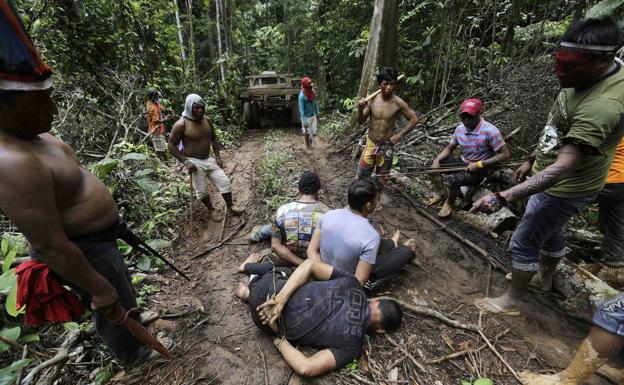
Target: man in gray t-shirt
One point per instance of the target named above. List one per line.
(345, 239)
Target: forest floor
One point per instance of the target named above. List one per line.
(216, 341)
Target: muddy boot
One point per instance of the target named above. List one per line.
(543, 280)
(236, 210)
(212, 212)
(585, 363)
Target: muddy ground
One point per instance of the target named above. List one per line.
(217, 343)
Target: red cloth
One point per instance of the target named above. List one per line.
(308, 90)
(43, 295)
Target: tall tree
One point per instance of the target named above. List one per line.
(179, 28)
(220, 46)
(381, 48)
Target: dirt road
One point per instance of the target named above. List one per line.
(216, 341)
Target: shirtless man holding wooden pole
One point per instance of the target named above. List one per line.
(383, 111)
(197, 133)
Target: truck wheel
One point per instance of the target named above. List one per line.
(254, 116)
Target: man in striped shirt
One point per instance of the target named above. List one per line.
(482, 147)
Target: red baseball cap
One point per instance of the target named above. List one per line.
(472, 107)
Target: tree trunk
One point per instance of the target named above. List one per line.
(189, 11)
(288, 34)
(507, 44)
(219, 44)
(381, 33)
(180, 38)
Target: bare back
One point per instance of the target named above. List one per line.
(384, 114)
(44, 169)
(196, 135)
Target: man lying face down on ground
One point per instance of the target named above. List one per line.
(330, 312)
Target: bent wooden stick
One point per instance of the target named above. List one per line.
(371, 96)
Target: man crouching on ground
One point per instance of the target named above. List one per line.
(330, 312)
(197, 134)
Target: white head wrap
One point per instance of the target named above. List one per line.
(191, 99)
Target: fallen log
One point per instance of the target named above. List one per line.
(583, 291)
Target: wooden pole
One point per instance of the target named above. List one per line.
(371, 96)
(191, 224)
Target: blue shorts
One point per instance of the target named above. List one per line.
(610, 315)
(541, 229)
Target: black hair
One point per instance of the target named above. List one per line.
(391, 315)
(152, 94)
(361, 192)
(309, 183)
(388, 74)
(594, 31)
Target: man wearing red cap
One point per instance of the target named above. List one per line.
(482, 147)
(308, 112)
(67, 215)
(570, 164)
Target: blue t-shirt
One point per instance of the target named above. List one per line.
(347, 238)
(307, 108)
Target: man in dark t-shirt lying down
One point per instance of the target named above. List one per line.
(330, 312)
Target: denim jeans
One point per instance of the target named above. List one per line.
(611, 223)
(610, 315)
(541, 229)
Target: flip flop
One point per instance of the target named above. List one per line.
(485, 305)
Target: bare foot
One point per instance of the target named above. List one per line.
(446, 210)
(253, 258)
(541, 379)
(242, 291)
(436, 199)
(395, 238)
(502, 305)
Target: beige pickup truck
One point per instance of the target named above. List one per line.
(270, 96)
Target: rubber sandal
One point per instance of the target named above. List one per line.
(483, 304)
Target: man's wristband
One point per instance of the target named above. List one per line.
(480, 164)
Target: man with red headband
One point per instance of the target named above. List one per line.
(68, 215)
(308, 111)
(571, 161)
(482, 147)
(383, 111)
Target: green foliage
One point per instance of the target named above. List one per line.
(352, 366)
(614, 8)
(9, 374)
(275, 163)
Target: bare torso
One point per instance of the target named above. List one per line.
(83, 202)
(384, 114)
(197, 137)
